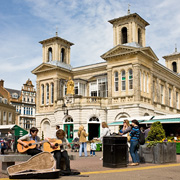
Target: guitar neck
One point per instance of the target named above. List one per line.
(39, 142)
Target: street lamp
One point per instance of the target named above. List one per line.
(64, 107)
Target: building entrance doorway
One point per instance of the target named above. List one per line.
(68, 128)
(94, 130)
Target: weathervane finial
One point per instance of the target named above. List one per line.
(175, 47)
(56, 31)
(129, 9)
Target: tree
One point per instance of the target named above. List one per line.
(157, 132)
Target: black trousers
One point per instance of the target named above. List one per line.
(33, 152)
(2, 150)
(58, 155)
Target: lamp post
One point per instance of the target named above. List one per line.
(64, 107)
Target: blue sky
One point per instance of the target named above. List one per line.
(23, 23)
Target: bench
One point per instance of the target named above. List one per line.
(9, 160)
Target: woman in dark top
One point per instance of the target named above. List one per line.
(134, 142)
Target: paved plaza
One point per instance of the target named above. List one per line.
(92, 168)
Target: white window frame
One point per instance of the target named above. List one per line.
(116, 81)
(42, 94)
(52, 93)
(130, 81)
(10, 117)
(123, 80)
(47, 94)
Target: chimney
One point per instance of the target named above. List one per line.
(2, 83)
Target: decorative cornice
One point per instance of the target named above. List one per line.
(55, 39)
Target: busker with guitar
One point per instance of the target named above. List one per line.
(61, 152)
(30, 137)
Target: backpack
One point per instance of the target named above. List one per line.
(141, 138)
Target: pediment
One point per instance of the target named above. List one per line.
(43, 67)
(118, 50)
(149, 52)
(123, 50)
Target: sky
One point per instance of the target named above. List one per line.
(23, 23)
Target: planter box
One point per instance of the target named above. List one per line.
(159, 154)
(178, 148)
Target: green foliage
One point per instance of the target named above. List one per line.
(157, 132)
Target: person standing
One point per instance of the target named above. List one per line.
(93, 148)
(82, 139)
(29, 137)
(147, 131)
(57, 128)
(125, 132)
(134, 143)
(105, 132)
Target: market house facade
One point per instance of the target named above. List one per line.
(129, 83)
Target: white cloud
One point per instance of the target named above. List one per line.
(85, 23)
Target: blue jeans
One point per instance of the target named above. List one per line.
(85, 149)
(133, 151)
(92, 152)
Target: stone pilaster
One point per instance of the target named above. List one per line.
(38, 96)
(109, 76)
(60, 89)
(151, 87)
(166, 94)
(136, 82)
(56, 89)
(158, 90)
(174, 97)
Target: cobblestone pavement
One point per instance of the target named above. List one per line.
(93, 167)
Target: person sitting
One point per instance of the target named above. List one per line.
(58, 154)
(29, 137)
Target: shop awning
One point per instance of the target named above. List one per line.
(168, 120)
(117, 123)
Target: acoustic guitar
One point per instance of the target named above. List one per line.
(48, 148)
(31, 145)
(58, 143)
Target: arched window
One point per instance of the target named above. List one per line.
(130, 79)
(47, 94)
(94, 119)
(123, 80)
(69, 119)
(146, 114)
(116, 81)
(50, 54)
(174, 66)
(124, 35)
(42, 94)
(62, 55)
(139, 36)
(52, 93)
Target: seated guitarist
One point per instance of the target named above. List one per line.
(29, 137)
(58, 154)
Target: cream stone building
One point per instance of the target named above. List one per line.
(130, 82)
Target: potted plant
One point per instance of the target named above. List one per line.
(157, 148)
